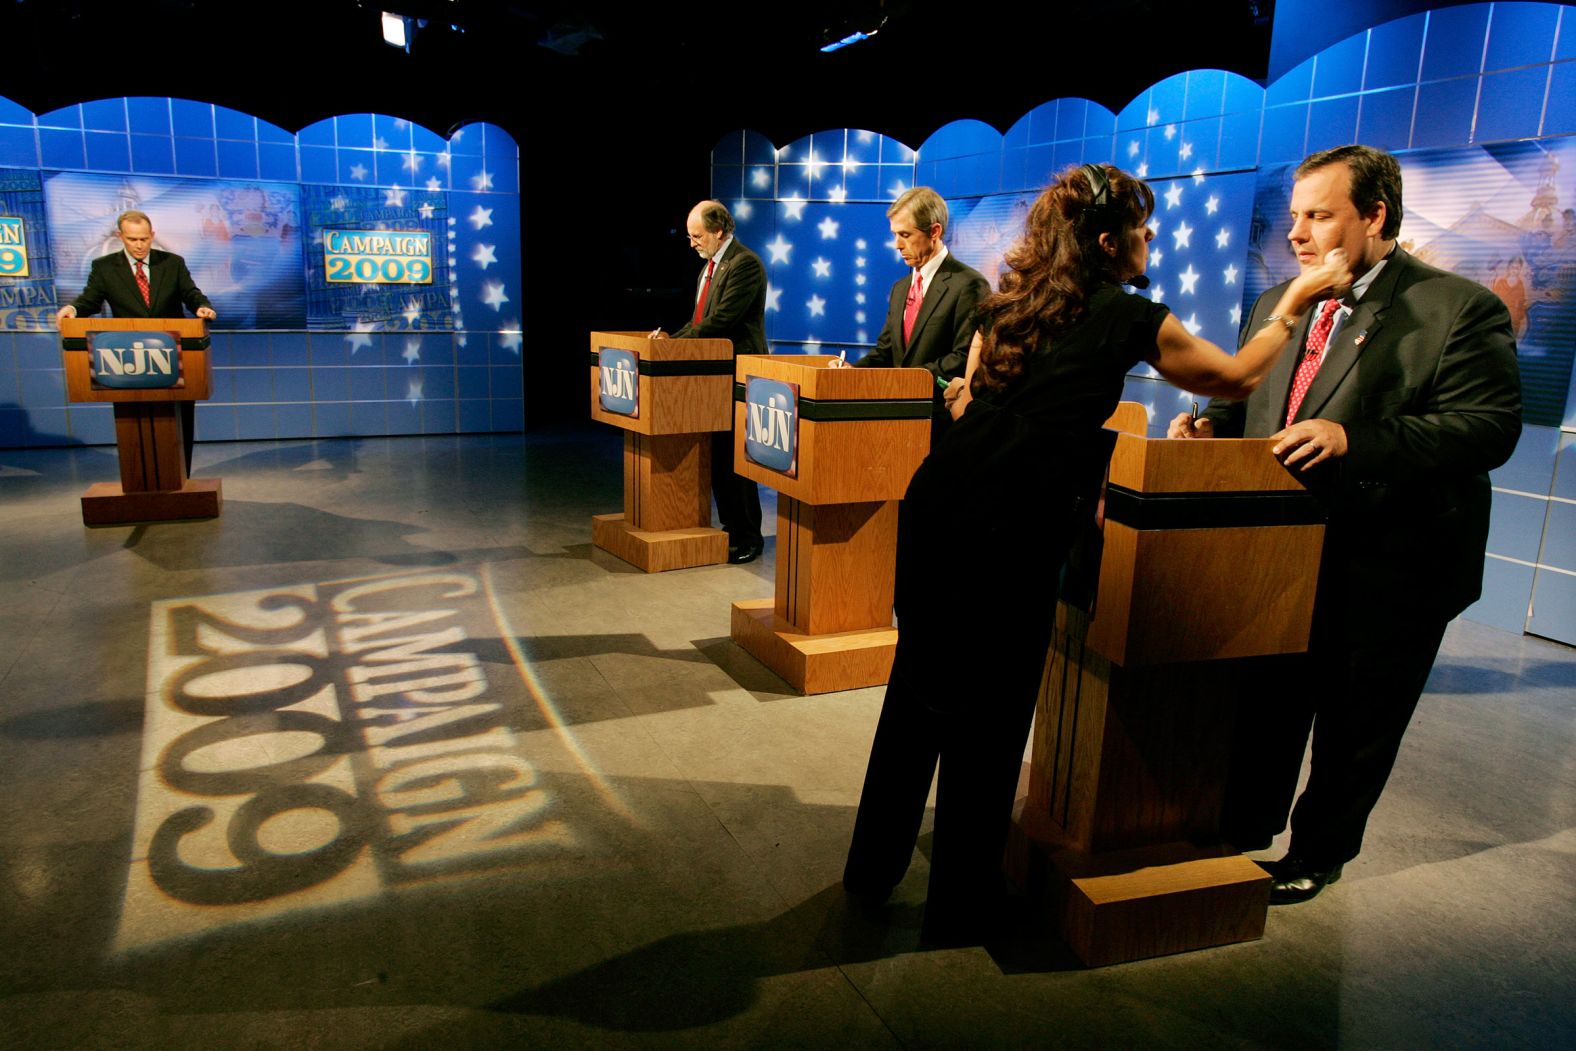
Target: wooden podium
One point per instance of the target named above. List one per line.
(1211, 554)
(860, 436)
(682, 392)
(149, 434)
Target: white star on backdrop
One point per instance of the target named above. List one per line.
(360, 336)
(859, 297)
(1230, 274)
(482, 181)
(394, 197)
(412, 163)
(813, 166)
(1198, 175)
(837, 195)
(1171, 132)
(1223, 238)
(822, 267)
(817, 306)
(433, 183)
(828, 228)
(1154, 117)
(358, 172)
(426, 209)
(774, 298)
(1185, 152)
(1212, 205)
(413, 388)
(412, 349)
(793, 208)
(859, 317)
(1157, 292)
(1155, 255)
(380, 143)
(850, 164)
(743, 209)
(1173, 196)
(481, 217)
(412, 311)
(484, 256)
(493, 296)
(445, 160)
(509, 335)
(1192, 325)
(1143, 170)
(859, 279)
(1132, 148)
(1189, 278)
(339, 203)
(760, 178)
(1181, 235)
(779, 249)
(1236, 314)
(898, 189)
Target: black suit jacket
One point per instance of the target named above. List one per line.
(170, 286)
(736, 304)
(1423, 377)
(943, 328)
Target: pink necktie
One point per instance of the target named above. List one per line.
(916, 293)
(142, 285)
(1318, 338)
(700, 304)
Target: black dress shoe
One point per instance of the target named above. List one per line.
(869, 895)
(744, 553)
(1293, 880)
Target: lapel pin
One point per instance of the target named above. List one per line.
(1360, 337)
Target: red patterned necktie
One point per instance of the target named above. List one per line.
(1318, 339)
(142, 285)
(700, 304)
(916, 294)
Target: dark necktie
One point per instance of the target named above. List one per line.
(916, 295)
(700, 304)
(142, 285)
(1318, 339)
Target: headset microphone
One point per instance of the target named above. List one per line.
(1138, 281)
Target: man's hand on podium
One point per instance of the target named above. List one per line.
(656, 333)
(1186, 425)
(64, 312)
(206, 313)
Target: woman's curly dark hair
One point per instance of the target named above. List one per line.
(1055, 268)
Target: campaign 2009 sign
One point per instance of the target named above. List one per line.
(620, 381)
(378, 257)
(134, 359)
(771, 424)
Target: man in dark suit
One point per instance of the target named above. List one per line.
(930, 319)
(1405, 395)
(730, 303)
(141, 281)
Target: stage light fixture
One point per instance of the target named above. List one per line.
(396, 30)
(857, 36)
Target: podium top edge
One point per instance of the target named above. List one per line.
(1171, 465)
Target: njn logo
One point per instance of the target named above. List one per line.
(771, 423)
(135, 359)
(620, 381)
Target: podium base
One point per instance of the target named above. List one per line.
(842, 660)
(658, 552)
(1126, 905)
(106, 503)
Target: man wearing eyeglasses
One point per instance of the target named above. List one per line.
(730, 303)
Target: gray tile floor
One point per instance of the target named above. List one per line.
(389, 756)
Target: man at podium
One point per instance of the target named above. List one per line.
(730, 303)
(1404, 396)
(930, 317)
(142, 281)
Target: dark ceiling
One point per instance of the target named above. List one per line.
(691, 70)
